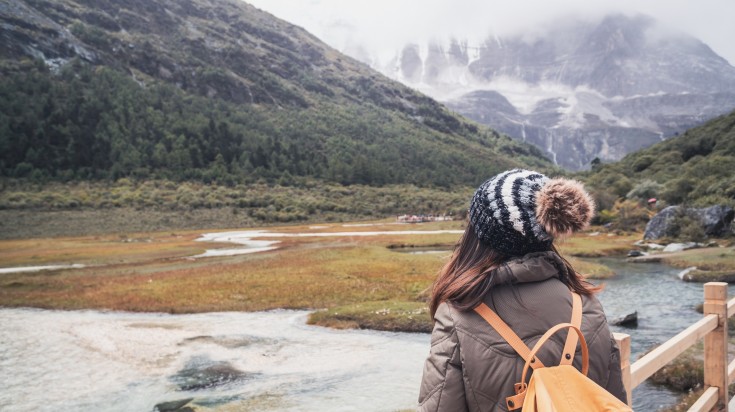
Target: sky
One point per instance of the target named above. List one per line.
(384, 26)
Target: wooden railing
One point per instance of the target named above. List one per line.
(713, 328)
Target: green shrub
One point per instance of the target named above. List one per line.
(604, 217)
(629, 215)
(676, 191)
(686, 228)
(645, 190)
(643, 162)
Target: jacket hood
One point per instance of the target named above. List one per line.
(533, 267)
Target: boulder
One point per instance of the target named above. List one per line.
(197, 376)
(630, 320)
(715, 221)
(174, 406)
(660, 225)
(635, 253)
(678, 247)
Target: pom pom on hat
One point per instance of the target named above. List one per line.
(564, 207)
(522, 211)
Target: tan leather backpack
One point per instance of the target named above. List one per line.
(560, 388)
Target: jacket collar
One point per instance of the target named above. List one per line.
(533, 267)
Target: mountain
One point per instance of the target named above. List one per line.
(580, 90)
(216, 90)
(694, 168)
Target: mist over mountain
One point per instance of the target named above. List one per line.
(578, 89)
(216, 90)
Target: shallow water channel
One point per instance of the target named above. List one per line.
(95, 361)
(114, 361)
(666, 306)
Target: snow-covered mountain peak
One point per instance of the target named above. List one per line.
(578, 88)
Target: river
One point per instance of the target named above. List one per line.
(666, 306)
(111, 361)
(116, 361)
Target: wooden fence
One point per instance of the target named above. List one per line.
(718, 373)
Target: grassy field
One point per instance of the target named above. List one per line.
(713, 264)
(356, 281)
(715, 258)
(53, 209)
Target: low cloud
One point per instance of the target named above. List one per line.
(383, 26)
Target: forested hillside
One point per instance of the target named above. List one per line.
(695, 168)
(216, 91)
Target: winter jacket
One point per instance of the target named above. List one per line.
(471, 367)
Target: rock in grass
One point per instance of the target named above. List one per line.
(714, 221)
(659, 225)
(629, 320)
(635, 253)
(678, 247)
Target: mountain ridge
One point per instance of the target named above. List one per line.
(694, 168)
(225, 92)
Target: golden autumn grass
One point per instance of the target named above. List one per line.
(596, 244)
(360, 281)
(714, 264)
(592, 244)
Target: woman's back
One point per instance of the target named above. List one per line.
(489, 366)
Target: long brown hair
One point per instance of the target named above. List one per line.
(466, 278)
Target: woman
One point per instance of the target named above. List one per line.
(506, 259)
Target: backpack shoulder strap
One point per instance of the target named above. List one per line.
(570, 346)
(507, 333)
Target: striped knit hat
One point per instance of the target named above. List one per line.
(521, 211)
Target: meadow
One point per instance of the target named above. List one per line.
(352, 281)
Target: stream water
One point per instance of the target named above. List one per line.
(96, 361)
(114, 361)
(665, 305)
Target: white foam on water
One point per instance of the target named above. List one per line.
(119, 361)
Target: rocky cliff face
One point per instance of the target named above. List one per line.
(223, 49)
(580, 90)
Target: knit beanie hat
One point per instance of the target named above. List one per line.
(521, 211)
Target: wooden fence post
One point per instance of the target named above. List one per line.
(715, 342)
(623, 341)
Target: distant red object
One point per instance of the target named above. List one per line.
(652, 200)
